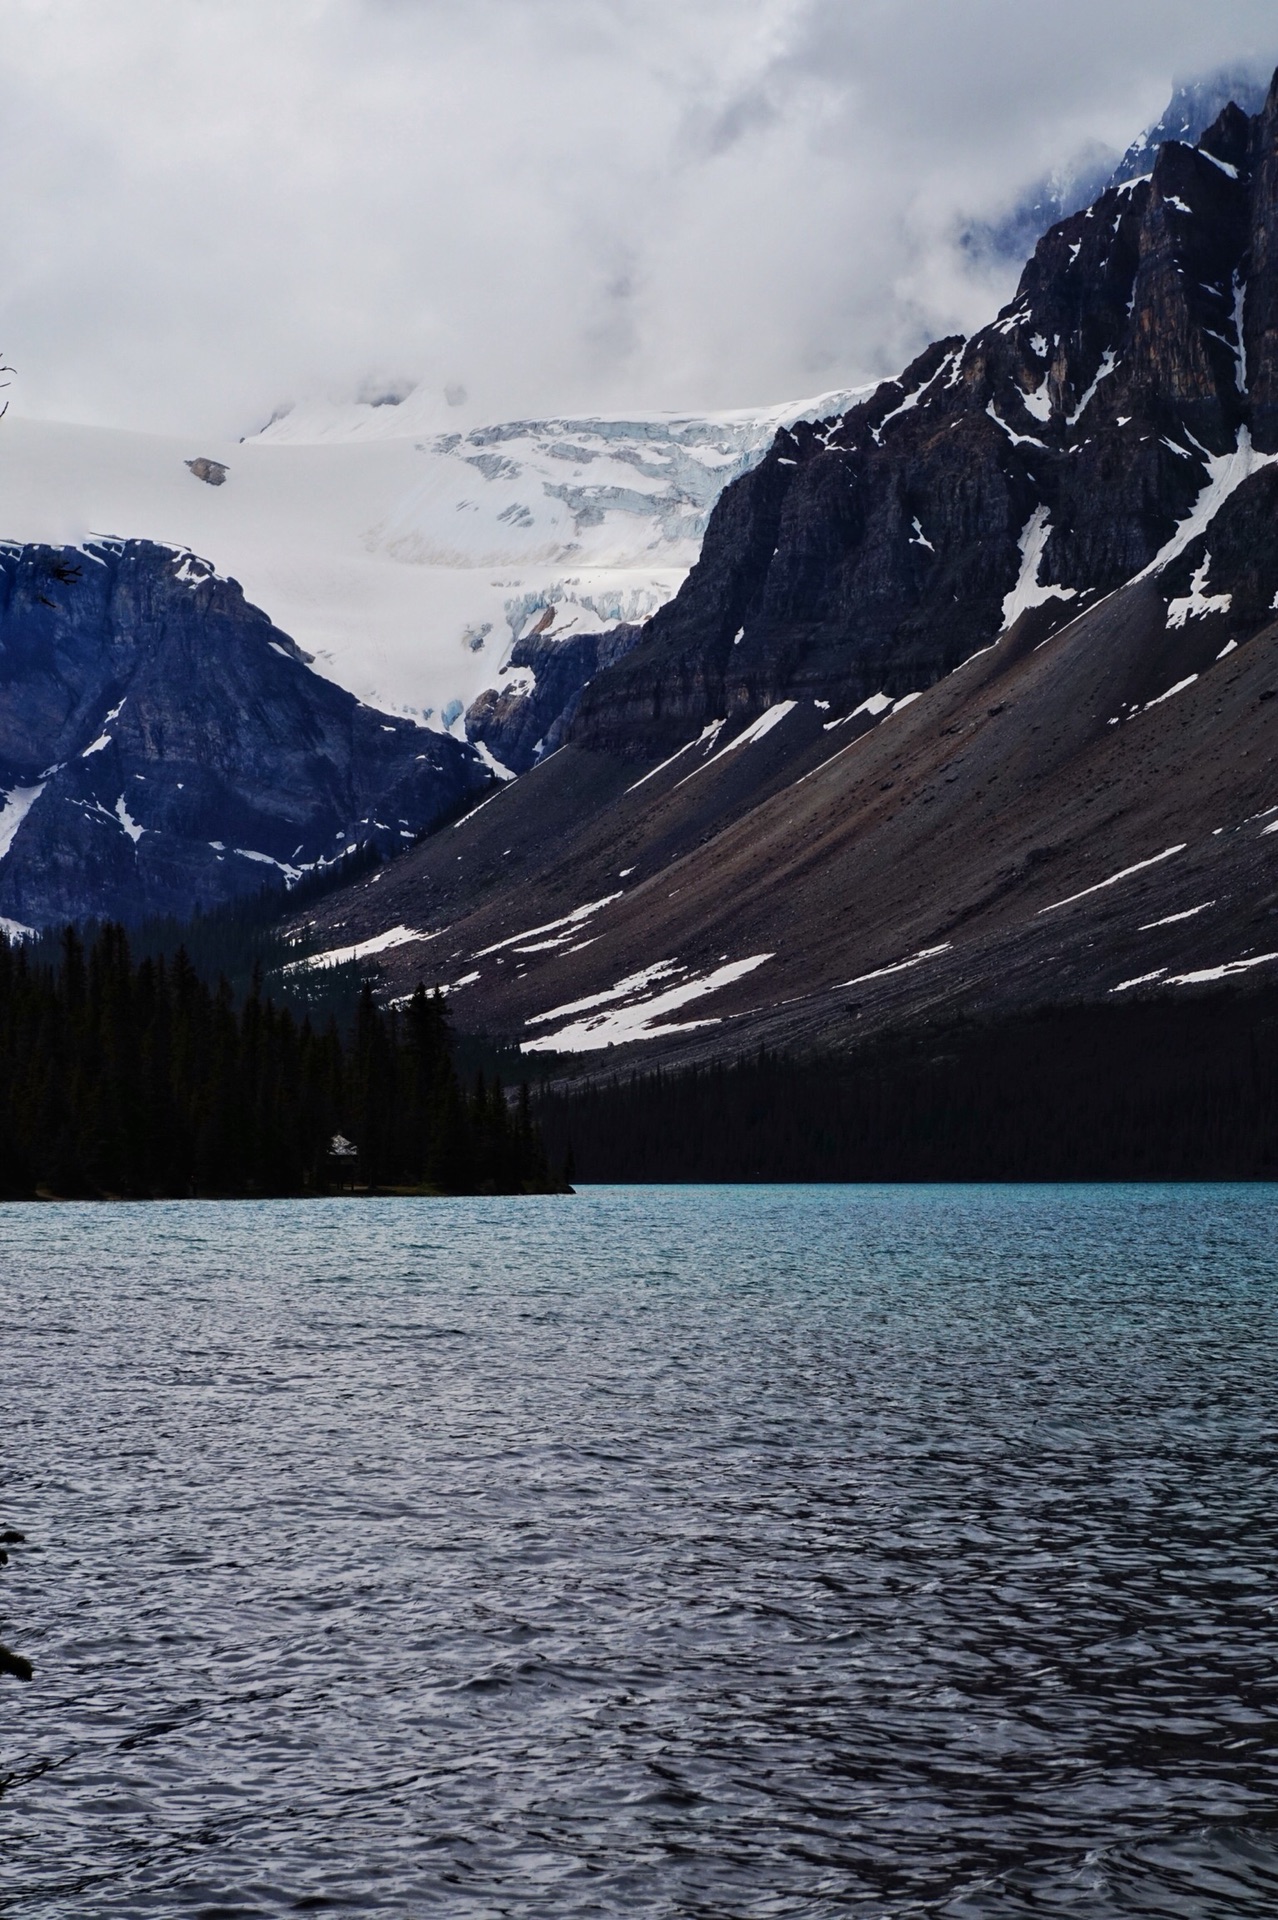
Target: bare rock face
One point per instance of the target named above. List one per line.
(163, 746)
(1037, 466)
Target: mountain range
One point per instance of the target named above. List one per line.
(966, 705)
(962, 702)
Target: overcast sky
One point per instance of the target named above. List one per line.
(214, 206)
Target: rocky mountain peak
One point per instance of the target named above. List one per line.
(163, 746)
(1062, 450)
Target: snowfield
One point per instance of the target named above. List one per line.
(405, 548)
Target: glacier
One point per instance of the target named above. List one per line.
(404, 551)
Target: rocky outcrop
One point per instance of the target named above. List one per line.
(164, 747)
(1195, 105)
(212, 472)
(13, 1664)
(1030, 470)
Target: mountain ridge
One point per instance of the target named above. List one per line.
(966, 706)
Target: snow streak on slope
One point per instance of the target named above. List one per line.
(644, 1016)
(405, 559)
(1226, 472)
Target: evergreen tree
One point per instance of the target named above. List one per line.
(128, 1078)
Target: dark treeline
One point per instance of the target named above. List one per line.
(243, 939)
(1148, 1091)
(136, 1078)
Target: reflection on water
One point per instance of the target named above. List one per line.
(677, 1553)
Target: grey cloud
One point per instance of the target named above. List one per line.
(555, 203)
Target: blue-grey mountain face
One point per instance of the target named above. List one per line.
(163, 746)
(1194, 106)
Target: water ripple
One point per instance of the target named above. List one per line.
(757, 1553)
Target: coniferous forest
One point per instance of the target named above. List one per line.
(147, 1077)
(1150, 1090)
(138, 1079)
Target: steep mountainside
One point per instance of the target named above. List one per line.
(1079, 439)
(968, 704)
(163, 746)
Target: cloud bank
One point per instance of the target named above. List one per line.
(215, 206)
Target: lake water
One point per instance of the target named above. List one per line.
(697, 1552)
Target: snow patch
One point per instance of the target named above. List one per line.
(18, 803)
(467, 980)
(754, 732)
(1229, 971)
(1140, 980)
(129, 825)
(569, 920)
(1198, 603)
(1027, 592)
(900, 966)
(360, 950)
(1174, 919)
(1039, 403)
(1240, 338)
(1107, 366)
(1017, 439)
(643, 1017)
(707, 734)
(911, 400)
(103, 740)
(1114, 878)
(490, 760)
(291, 874)
(468, 817)
(1171, 692)
(628, 989)
(1226, 472)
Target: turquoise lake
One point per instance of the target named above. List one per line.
(671, 1552)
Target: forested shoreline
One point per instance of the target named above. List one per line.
(1150, 1090)
(133, 1079)
(142, 1078)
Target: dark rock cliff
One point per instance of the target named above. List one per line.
(527, 718)
(1128, 389)
(163, 746)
